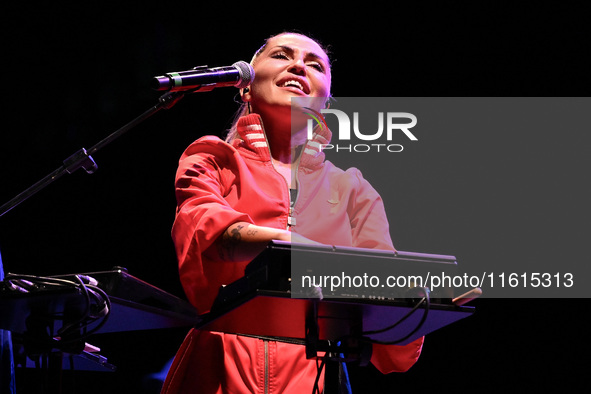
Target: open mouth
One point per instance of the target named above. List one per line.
(294, 84)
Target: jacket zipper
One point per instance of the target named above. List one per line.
(297, 188)
(290, 218)
(266, 342)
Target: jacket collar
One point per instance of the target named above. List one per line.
(252, 137)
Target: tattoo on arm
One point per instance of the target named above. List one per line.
(230, 239)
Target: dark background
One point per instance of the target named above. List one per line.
(72, 75)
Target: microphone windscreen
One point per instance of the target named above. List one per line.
(246, 74)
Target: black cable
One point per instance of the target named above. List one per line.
(401, 320)
(100, 298)
(425, 300)
(75, 331)
(39, 280)
(63, 332)
(316, 388)
(107, 309)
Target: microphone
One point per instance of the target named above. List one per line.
(203, 79)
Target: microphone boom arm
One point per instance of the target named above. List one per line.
(83, 158)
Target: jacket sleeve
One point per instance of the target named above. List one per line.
(394, 358)
(370, 228)
(202, 216)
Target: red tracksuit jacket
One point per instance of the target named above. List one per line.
(218, 184)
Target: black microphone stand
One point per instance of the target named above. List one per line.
(83, 159)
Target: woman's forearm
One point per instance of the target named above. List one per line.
(243, 241)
